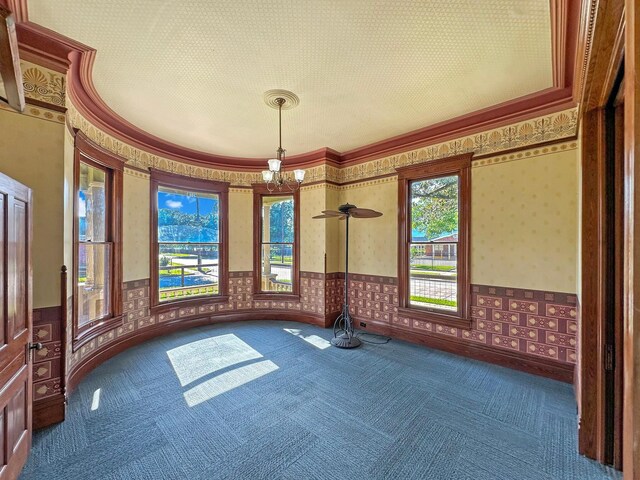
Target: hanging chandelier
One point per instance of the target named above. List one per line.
(275, 177)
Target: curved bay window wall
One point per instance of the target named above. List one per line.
(188, 244)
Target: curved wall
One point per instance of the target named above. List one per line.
(524, 214)
(523, 246)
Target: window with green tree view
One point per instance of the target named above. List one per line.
(188, 243)
(434, 243)
(433, 270)
(277, 243)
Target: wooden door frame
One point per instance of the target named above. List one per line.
(608, 42)
(631, 398)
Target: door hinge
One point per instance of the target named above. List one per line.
(608, 359)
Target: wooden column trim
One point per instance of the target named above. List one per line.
(631, 407)
(591, 395)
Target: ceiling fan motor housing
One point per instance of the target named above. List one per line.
(346, 207)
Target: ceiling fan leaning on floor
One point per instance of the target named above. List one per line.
(343, 323)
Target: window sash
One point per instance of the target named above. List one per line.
(214, 290)
(457, 166)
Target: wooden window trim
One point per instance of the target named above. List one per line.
(457, 165)
(165, 179)
(92, 154)
(259, 191)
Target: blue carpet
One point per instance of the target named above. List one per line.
(271, 400)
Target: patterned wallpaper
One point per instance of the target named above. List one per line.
(530, 322)
(524, 222)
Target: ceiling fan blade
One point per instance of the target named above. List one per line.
(364, 213)
(324, 216)
(332, 213)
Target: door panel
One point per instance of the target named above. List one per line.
(18, 267)
(3, 249)
(15, 327)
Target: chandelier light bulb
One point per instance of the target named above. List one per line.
(267, 175)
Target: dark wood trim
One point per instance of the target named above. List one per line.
(97, 357)
(598, 74)
(459, 165)
(64, 314)
(282, 297)
(165, 179)
(48, 106)
(186, 303)
(505, 358)
(86, 151)
(616, 334)
(259, 192)
(593, 301)
(631, 277)
(48, 411)
(10, 64)
(18, 8)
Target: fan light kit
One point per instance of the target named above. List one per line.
(275, 177)
(343, 323)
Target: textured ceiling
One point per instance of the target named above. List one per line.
(193, 72)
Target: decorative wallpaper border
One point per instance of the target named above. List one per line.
(43, 85)
(547, 128)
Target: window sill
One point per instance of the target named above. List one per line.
(86, 333)
(436, 317)
(192, 302)
(283, 297)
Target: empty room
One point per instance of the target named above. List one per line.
(358, 239)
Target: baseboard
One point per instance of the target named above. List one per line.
(78, 371)
(48, 411)
(505, 358)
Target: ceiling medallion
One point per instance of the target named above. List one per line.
(275, 177)
(271, 97)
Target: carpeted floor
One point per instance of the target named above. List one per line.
(271, 400)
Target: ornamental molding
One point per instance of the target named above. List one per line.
(540, 130)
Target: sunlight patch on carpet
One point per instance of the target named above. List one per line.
(228, 381)
(201, 358)
(314, 340)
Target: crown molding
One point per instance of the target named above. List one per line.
(57, 52)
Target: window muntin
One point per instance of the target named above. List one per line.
(188, 237)
(95, 248)
(277, 243)
(433, 246)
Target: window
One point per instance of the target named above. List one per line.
(433, 268)
(189, 258)
(276, 239)
(97, 275)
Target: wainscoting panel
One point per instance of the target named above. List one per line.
(48, 395)
(510, 325)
